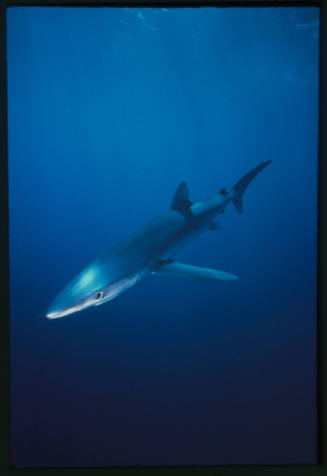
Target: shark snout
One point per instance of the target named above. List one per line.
(53, 314)
(82, 292)
(55, 311)
(62, 306)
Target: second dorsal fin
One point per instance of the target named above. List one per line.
(181, 202)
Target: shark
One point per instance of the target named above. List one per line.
(150, 250)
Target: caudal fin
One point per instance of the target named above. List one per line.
(242, 185)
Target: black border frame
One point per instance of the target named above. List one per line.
(246, 470)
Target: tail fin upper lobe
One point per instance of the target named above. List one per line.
(243, 183)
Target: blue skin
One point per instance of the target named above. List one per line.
(148, 250)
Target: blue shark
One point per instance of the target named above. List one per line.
(149, 250)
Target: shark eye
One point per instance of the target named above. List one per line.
(98, 295)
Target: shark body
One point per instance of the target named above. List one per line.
(149, 250)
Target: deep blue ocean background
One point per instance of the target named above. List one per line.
(109, 110)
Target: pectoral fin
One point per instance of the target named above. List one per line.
(170, 268)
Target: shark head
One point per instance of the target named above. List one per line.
(92, 287)
(86, 290)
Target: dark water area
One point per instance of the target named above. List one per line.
(109, 110)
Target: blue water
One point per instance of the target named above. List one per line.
(109, 110)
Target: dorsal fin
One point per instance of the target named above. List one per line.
(181, 201)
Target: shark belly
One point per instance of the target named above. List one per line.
(134, 257)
